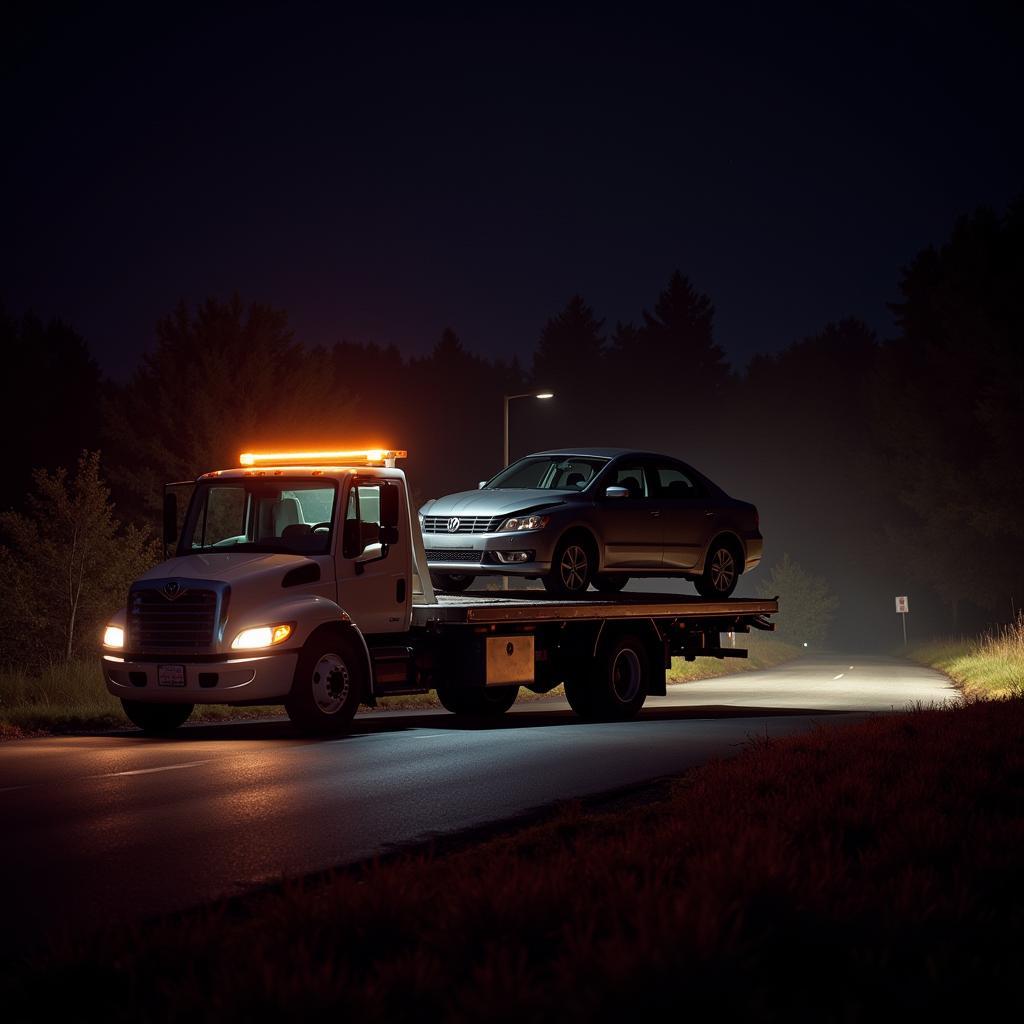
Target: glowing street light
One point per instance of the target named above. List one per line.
(509, 398)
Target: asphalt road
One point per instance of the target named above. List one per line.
(118, 827)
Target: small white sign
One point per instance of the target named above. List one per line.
(902, 605)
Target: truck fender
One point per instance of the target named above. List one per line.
(345, 624)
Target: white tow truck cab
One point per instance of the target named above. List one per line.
(300, 579)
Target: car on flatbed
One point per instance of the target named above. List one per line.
(301, 579)
(576, 517)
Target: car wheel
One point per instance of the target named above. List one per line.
(721, 573)
(610, 584)
(328, 684)
(156, 719)
(489, 702)
(450, 583)
(572, 568)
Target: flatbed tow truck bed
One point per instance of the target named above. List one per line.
(490, 608)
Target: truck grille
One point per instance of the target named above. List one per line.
(453, 555)
(466, 524)
(157, 621)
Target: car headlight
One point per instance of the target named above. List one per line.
(113, 636)
(523, 523)
(261, 636)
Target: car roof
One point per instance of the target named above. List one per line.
(603, 453)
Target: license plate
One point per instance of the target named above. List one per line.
(170, 675)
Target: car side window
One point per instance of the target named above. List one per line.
(672, 482)
(632, 477)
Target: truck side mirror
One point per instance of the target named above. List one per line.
(170, 518)
(388, 513)
(352, 545)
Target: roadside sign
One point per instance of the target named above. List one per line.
(902, 605)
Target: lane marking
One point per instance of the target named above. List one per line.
(851, 668)
(150, 771)
(840, 676)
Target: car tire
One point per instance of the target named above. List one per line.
(613, 687)
(721, 573)
(610, 584)
(328, 684)
(156, 719)
(572, 567)
(487, 702)
(451, 583)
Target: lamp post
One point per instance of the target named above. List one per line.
(509, 398)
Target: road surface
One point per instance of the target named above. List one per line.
(118, 827)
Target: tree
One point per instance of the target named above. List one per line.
(806, 604)
(568, 358)
(67, 563)
(221, 380)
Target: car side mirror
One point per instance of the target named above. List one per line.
(616, 492)
(352, 545)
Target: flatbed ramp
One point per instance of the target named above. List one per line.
(537, 606)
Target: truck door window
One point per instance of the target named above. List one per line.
(222, 518)
(364, 507)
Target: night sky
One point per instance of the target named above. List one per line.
(383, 178)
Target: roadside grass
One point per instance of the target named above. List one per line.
(850, 874)
(989, 666)
(72, 697)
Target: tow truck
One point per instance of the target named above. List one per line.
(300, 578)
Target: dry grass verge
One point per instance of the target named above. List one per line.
(853, 874)
(989, 666)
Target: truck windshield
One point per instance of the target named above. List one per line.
(260, 515)
(549, 473)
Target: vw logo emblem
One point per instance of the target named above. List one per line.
(453, 524)
(172, 590)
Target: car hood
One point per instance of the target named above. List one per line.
(494, 501)
(225, 567)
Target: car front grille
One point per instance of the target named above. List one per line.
(464, 524)
(185, 621)
(453, 555)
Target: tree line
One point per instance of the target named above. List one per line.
(887, 465)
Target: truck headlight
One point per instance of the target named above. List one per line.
(523, 523)
(261, 636)
(113, 636)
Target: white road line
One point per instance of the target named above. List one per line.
(150, 771)
(840, 676)
(851, 668)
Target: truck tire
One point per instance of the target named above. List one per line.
(614, 687)
(608, 584)
(485, 702)
(329, 680)
(721, 572)
(156, 719)
(451, 583)
(572, 567)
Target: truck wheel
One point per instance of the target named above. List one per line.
(721, 573)
(572, 568)
(450, 583)
(328, 684)
(610, 584)
(615, 687)
(156, 719)
(488, 702)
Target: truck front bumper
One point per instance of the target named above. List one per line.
(228, 680)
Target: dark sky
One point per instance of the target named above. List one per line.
(381, 178)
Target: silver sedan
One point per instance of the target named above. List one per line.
(581, 516)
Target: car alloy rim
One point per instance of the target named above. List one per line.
(723, 569)
(330, 683)
(573, 567)
(626, 675)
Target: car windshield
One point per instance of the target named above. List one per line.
(549, 473)
(256, 514)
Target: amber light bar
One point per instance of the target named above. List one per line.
(364, 457)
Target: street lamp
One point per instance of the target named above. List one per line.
(509, 398)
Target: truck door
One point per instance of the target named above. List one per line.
(686, 514)
(632, 525)
(373, 586)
